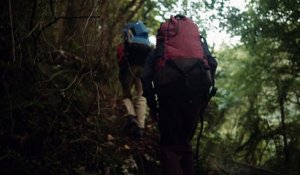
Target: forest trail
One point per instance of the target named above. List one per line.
(141, 157)
(138, 156)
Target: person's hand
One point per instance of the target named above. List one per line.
(152, 104)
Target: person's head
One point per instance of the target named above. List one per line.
(136, 32)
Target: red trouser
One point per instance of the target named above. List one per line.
(178, 118)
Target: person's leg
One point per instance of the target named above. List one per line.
(140, 104)
(170, 162)
(186, 161)
(171, 134)
(178, 120)
(129, 107)
(126, 78)
(192, 116)
(170, 122)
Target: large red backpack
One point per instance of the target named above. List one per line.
(182, 68)
(181, 39)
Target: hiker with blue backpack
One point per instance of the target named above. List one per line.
(178, 81)
(131, 53)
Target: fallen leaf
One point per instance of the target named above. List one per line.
(126, 146)
(110, 137)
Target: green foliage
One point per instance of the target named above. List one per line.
(59, 86)
(257, 85)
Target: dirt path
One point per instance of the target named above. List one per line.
(138, 156)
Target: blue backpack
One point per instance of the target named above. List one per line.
(136, 42)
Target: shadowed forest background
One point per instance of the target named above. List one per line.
(61, 110)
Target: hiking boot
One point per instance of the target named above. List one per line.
(138, 133)
(130, 123)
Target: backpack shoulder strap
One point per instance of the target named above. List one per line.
(120, 53)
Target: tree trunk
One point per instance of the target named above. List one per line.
(281, 100)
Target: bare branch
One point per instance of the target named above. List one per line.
(32, 14)
(12, 32)
(51, 8)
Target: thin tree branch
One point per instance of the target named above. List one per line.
(32, 15)
(281, 100)
(63, 17)
(12, 32)
(51, 8)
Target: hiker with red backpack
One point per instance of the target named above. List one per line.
(131, 54)
(177, 81)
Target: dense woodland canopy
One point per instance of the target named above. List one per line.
(60, 96)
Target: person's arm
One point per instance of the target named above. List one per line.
(148, 89)
(149, 73)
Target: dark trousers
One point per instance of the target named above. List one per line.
(178, 118)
